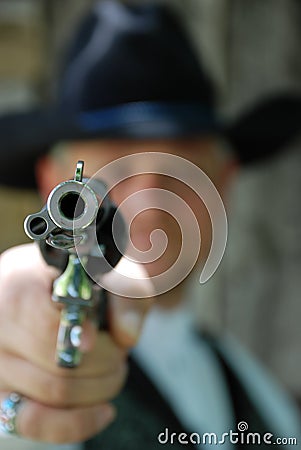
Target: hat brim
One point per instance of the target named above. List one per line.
(25, 137)
(265, 129)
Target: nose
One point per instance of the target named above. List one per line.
(146, 190)
(143, 192)
(149, 189)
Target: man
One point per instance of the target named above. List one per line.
(132, 84)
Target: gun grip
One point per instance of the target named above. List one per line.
(68, 353)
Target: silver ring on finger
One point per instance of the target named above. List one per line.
(8, 412)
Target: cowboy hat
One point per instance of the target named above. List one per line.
(131, 72)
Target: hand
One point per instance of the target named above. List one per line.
(62, 405)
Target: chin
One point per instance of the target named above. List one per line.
(174, 277)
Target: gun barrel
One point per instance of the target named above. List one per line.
(76, 220)
(71, 206)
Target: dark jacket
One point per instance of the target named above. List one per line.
(142, 413)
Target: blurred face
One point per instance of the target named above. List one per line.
(156, 207)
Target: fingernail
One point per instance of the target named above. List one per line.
(131, 323)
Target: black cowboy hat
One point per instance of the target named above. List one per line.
(131, 72)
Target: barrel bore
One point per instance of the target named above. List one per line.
(38, 226)
(71, 205)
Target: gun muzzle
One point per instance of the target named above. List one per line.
(71, 206)
(77, 211)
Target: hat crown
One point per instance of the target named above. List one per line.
(130, 73)
(129, 53)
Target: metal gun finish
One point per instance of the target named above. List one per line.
(74, 231)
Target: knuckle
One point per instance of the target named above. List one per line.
(37, 424)
(115, 382)
(30, 425)
(80, 428)
(58, 391)
(116, 365)
(77, 427)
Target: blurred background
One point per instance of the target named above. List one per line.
(251, 49)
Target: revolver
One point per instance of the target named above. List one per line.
(75, 234)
